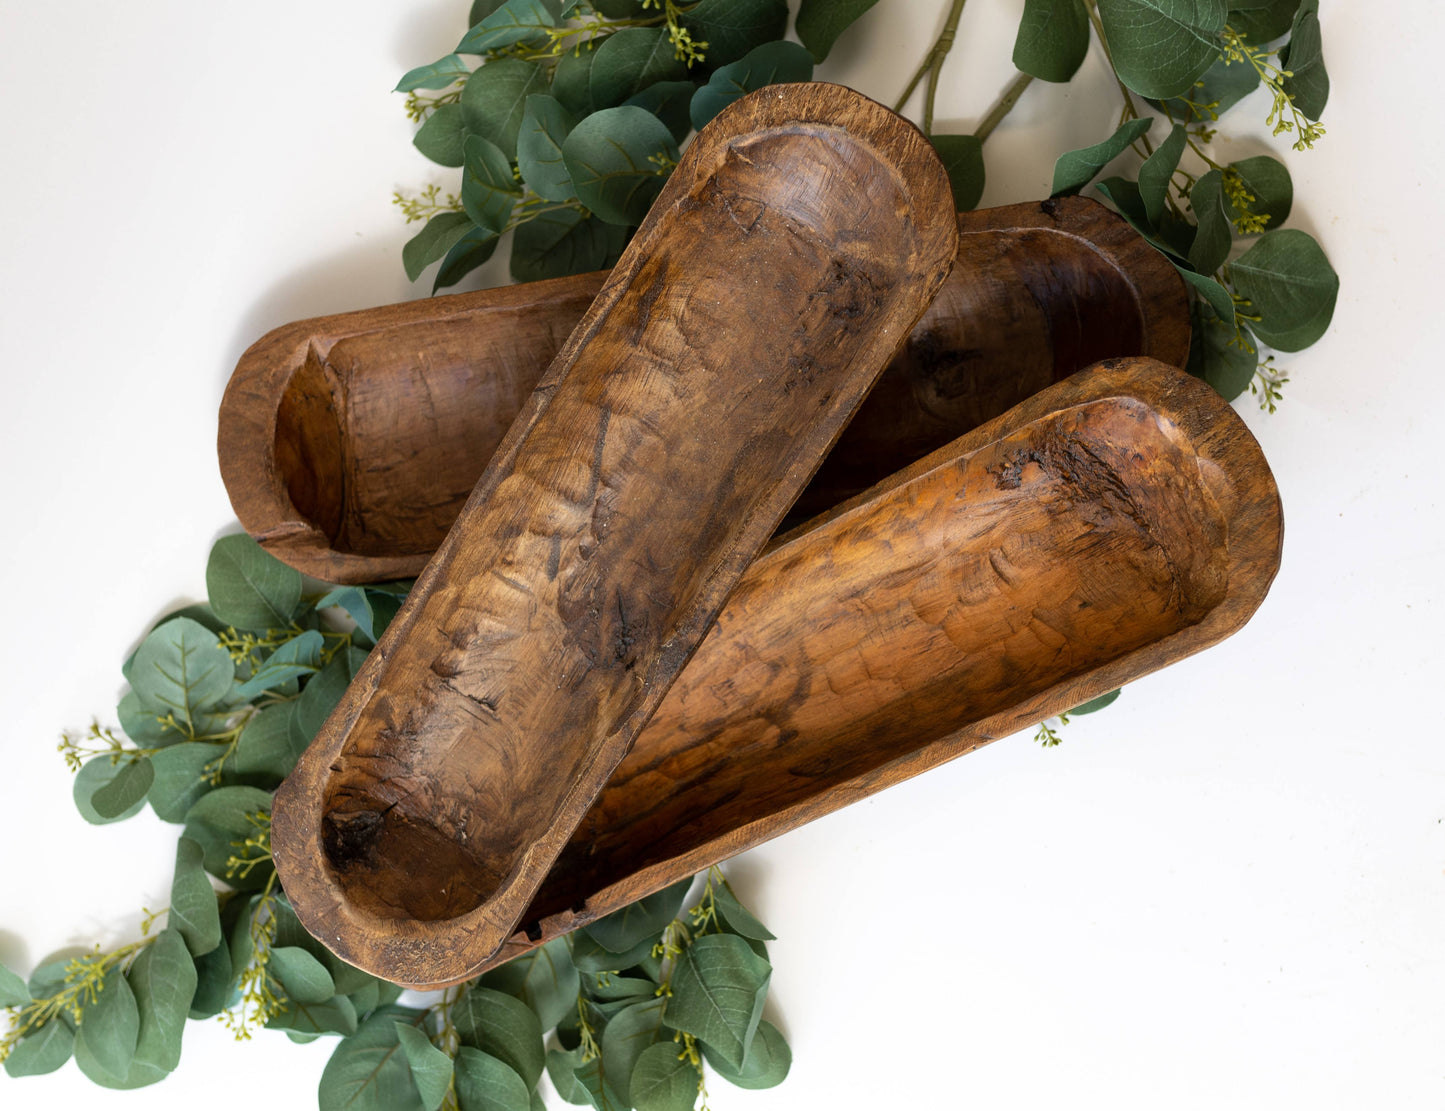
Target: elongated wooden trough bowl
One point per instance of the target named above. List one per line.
(803, 233)
(1117, 522)
(349, 443)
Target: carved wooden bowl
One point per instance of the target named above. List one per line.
(349, 443)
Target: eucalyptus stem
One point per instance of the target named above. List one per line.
(932, 66)
(1003, 106)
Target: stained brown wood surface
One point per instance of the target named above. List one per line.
(803, 234)
(349, 443)
(1116, 523)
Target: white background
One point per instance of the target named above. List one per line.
(1228, 890)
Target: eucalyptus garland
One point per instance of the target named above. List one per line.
(566, 116)
(223, 698)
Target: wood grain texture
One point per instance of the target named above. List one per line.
(803, 234)
(349, 443)
(1116, 523)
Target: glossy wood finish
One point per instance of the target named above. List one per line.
(349, 443)
(804, 232)
(1112, 525)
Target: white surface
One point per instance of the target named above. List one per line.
(1227, 890)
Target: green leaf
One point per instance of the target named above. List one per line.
(1216, 355)
(670, 102)
(493, 101)
(663, 1080)
(545, 124)
(431, 1068)
(469, 252)
(820, 22)
(591, 957)
(767, 1064)
(487, 1084)
(1268, 182)
(733, 27)
(181, 669)
(511, 22)
(1053, 39)
(323, 692)
(640, 921)
(1261, 21)
(562, 1071)
(481, 9)
(488, 188)
(335, 1016)
(42, 1051)
(502, 1026)
(1212, 241)
(630, 60)
(1214, 294)
(164, 982)
(718, 989)
(592, 1079)
(213, 977)
(124, 793)
(182, 776)
(94, 776)
(441, 137)
(626, 1035)
(611, 988)
(301, 655)
(440, 233)
(962, 157)
(739, 919)
(1076, 168)
(620, 9)
(1161, 47)
(250, 588)
(265, 749)
(438, 75)
(1223, 85)
(303, 976)
(1158, 170)
(218, 821)
(369, 1071)
(773, 63)
(145, 727)
(353, 599)
(1309, 85)
(557, 244)
(545, 979)
(13, 992)
(572, 79)
(195, 913)
(611, 159)
(109, 1027)
(1094, 704)
(1291, 286)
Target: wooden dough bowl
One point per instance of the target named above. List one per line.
(349, 443)
(803, 233)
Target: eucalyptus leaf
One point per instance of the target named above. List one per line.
(718, 989)
(630, 60)
(591, 957)
(773, 63)
(738, 918)
(13, 992)
(1095, 704)
(369, 1071)
(1076, 168)
(1214, 294)
(592, 1079)
(1223, 85)
(572, 79)
(545, 124)
(265, 749)
(137, 1075)
(511, 22)
(1217, 354)
(1157, 172)
(669, 101)
(163, 980)
(322, 694)
(620, 9)
(622, 930)
(502, 1026)
(42, 1051)
(182, 670)
(146, 728)
(438, 75)
(440, 138)
(195, 913)
(820, 22)
(1161, 47)
(1268, 182)
(466, 254)
(488, 188)
(1261, 21)
(664, 1080)
(297, 657)
(1053, 39)
(493, 100)
(304, 978)
(431, 1068)
(733, 27)
(249, 587)
(767, 1064)
(335, 1016)
(109, 1026)
(1308, 84)
(182, 776)
(1291, 287)
(1212, 240)
(627, 1034)
(436, 238)
(962, 157)
(125, 792)
(94, 776)
(613, 157)
(213, 981)
(565, 242)
(486, 1084)
(545, 979)
(219, 821)
(608, 988)
(562, 1071)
